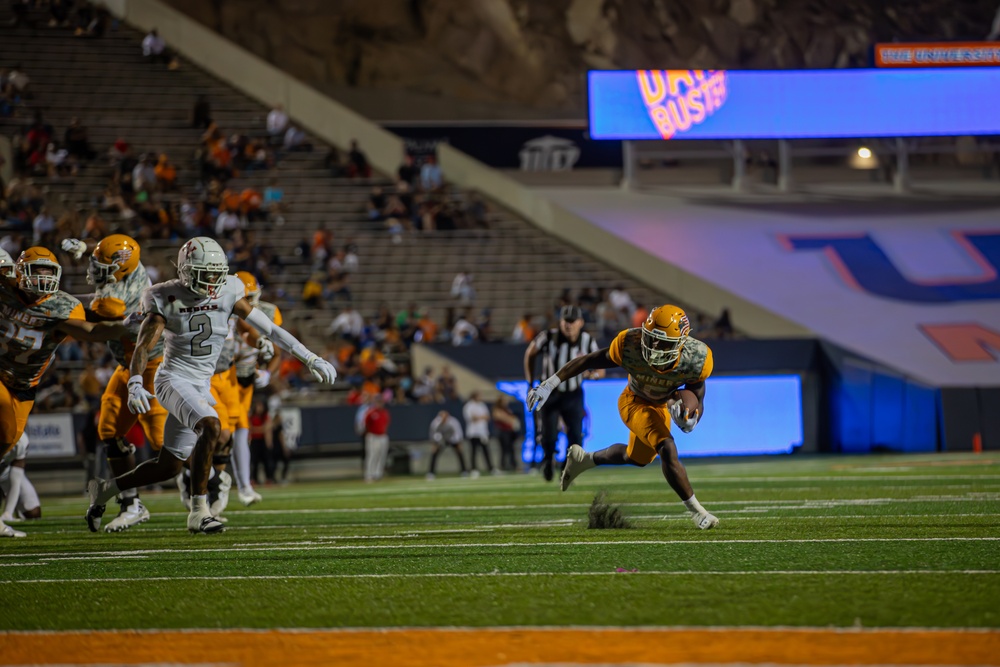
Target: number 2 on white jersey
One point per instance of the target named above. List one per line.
(201, 323)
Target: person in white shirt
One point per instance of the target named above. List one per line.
(227, 223)
(277, 123)
(464, 332)
(43, 224)
(446, 431)
(154, 49)
(477, 430)
(348, 322)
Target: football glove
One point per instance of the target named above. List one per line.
(74, 247)
(263, 378)
(266, 348)
(684, 419)
(321, 369)
(138, 397)
(541, 393)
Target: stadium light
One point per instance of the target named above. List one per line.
(863, 158)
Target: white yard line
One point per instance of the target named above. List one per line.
(452, 575)
(487, 545)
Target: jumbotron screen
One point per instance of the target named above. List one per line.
(744, 416)
(726, 104)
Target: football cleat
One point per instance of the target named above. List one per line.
(95, 511)
(7, 531)
(221, 495)
(132, 513)
(249, 497)
(474, 474)
(430, 477)
(203, 523)
(705, 521)
(577, 462)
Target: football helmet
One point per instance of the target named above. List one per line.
(6, 264)
(202, 266)
(664, 334)
(38, 271)
(113, 259)
(251, 287)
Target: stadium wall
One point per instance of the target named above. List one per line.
(331, 121)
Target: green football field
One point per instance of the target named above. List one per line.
(889, 541)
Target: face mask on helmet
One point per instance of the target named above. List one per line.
(39, 277)
(100, 274)
(205, 279)
(659, 349)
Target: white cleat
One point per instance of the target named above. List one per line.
(183, 485)
(430, 477)
(474, 474)
(95, 511)
(705, 521)
(249, 497)
(225, 484)
(203, 523)
(577, 462)
(7, 531)
(130, 515)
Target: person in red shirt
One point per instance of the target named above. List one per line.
(376, 440)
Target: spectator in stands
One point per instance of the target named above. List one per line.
(428, 329)
(201, 113)
(274, 198)
(19, 9)
(43, 227)
(77, 140)
(376, 204)
(424, 387)
(92, 21)
(431, 179)
(639, 315)
(312, 290)
(524, 330)
(445, 431)
(357, 162)
(154, 49)
(408, 172)
(348, 324)
(476, 212)
(724, 325)
(464, 332)
(462, 289)
(446, 386)
(507, 426)
(621, 301)
(18, 82)
(144, 174)
(277, 124)
(59, 13)
(295, 140)
(57, 162)
(166, 174)
(477, 429)
(227, 223)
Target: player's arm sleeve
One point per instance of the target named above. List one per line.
(707, 367)
(78, 313)
(150, 304)
(615, 351)
(108, 308)
(284, 340)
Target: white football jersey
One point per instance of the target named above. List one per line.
(197, 326)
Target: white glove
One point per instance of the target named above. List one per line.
(540, 394)
(683, 418)
(321, 369)
(75, 247)
(266, 348)
(263, 378)
(138, 397)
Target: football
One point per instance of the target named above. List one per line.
(688, 397)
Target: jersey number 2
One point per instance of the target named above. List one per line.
(12, 334)
(203, 325)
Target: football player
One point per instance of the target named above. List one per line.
(192, 313)
(119, 279)
(248, 375)
(660, 357)
(35, 317)
(20, 498)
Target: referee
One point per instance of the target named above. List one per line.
(556, 347)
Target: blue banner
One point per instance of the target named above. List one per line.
(721, 104)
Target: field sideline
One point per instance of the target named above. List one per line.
(888, 560)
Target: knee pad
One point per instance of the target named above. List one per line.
(118, 448)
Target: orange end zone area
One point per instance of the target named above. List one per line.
(448, 647)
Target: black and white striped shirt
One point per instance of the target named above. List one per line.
(556, 351)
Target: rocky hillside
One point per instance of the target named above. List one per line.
(533, 53)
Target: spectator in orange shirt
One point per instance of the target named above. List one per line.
(166, 174)
(639, 315)
(250, 202)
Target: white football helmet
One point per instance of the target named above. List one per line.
(202, 266)
(6, 264)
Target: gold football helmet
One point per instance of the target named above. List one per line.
(37, 271)
(664, 334)
(251, 287)
(113, 259)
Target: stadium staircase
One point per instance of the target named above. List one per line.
(116, 94)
